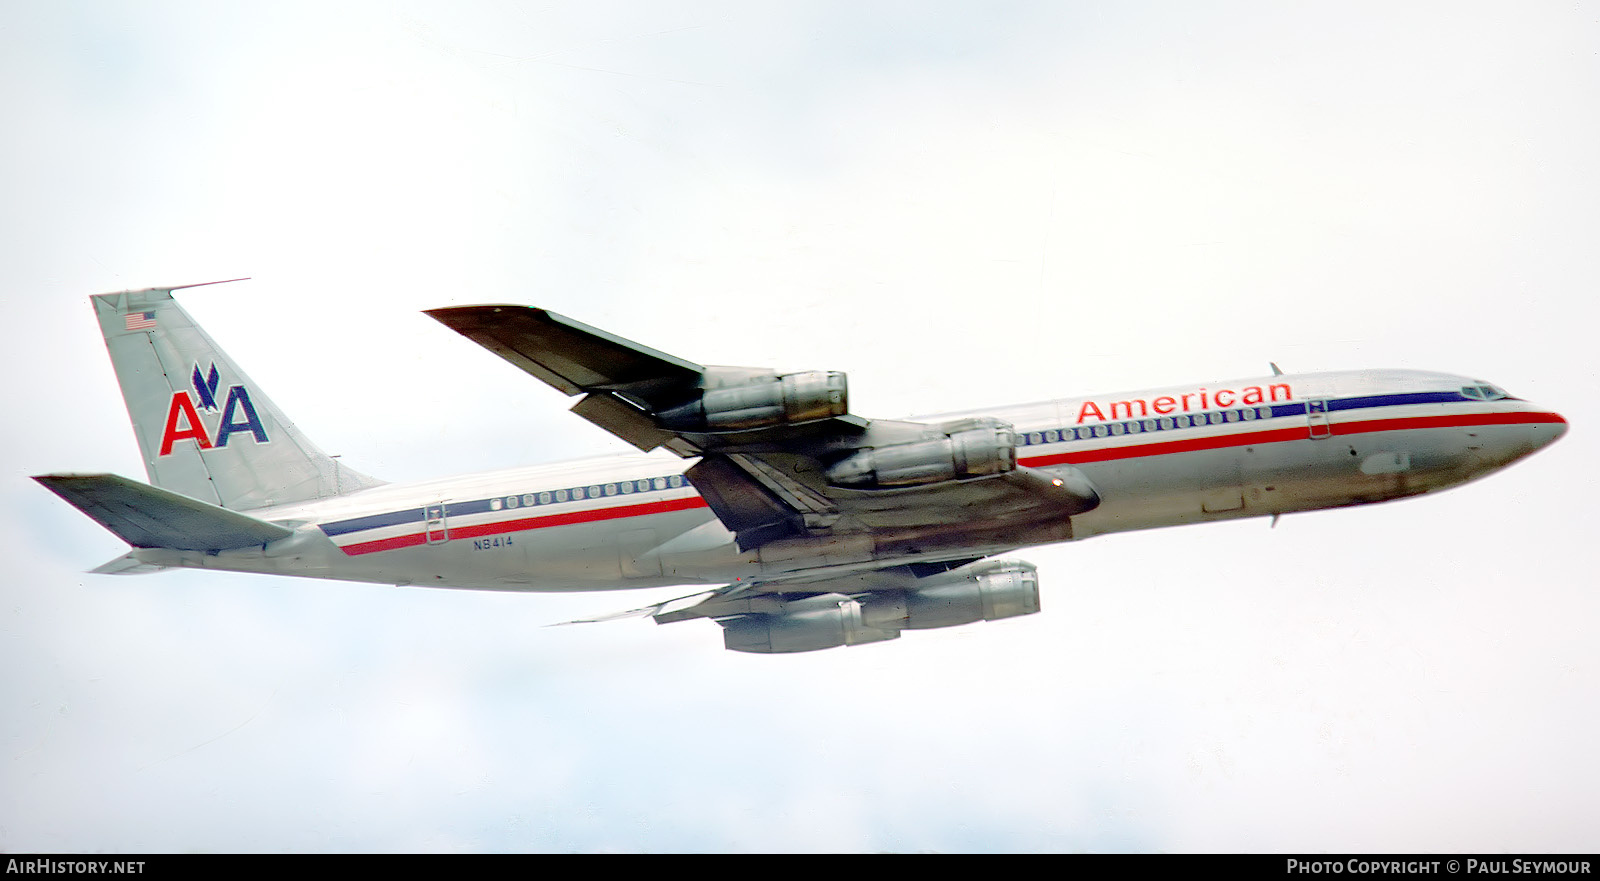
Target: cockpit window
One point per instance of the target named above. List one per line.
(1483, 392)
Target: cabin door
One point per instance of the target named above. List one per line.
(435, 528)
(1317, 419)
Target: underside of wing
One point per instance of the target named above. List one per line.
(781, 457)
(650, 398)
(567, 354)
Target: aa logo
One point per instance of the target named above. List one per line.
(183, 416)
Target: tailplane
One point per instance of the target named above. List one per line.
(147, 517)
(205, 430)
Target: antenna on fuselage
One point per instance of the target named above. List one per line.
(1276, 371)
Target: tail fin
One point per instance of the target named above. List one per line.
(207, 431)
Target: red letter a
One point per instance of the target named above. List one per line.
(182, 406)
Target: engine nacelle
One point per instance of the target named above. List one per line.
(970, 448)
(762, 401)
(808, 625)
(991, 591)
(978, 592)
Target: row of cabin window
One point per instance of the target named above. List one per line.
(626, 487)
(1161, 423)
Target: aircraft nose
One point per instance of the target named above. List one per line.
(1558, 428)
(1547, 427)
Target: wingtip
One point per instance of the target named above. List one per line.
(450, 314)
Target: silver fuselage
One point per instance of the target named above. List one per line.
(1162, 457)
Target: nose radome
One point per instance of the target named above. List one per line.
(1550, 427)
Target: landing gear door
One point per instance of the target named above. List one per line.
(1317, 419)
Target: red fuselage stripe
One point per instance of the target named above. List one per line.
(1282, 435)
(1103, 454)
(503, 526)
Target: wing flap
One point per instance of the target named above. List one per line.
(622, 420)
(128, 564)
(148, 517)
(743, 505)
(1023, 495)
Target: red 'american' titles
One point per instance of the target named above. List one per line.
(1181, 403)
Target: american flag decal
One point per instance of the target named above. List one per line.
(140, 321)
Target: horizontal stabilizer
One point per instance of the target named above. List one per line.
(147, 517)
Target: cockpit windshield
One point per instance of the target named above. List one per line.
(1484, 392)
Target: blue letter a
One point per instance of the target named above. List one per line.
(239, 399)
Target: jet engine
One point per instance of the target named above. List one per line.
(978, 592)
(819, 622)
(986, 592)
(968, 448)
(761, 401)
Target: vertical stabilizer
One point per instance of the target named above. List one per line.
(207, 431)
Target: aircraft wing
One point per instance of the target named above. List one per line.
(811, 612)
(780, 455)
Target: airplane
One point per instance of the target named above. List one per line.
(806, 526)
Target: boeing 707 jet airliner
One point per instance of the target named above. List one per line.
(808, 527)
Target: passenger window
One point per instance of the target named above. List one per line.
(494, 504)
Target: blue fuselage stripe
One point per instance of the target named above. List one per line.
(482, 506)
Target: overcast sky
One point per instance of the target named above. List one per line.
(959, 205)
